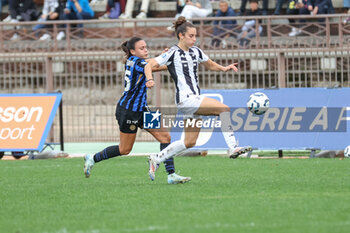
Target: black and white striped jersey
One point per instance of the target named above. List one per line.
(183, 68)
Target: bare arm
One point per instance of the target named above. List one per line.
(152, 63)
(77, 5)
(211, 65)
(159, 68)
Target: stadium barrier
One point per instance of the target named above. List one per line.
(298, 118)
(320, 31)
(26, 120)
(89, 70)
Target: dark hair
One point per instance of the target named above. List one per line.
(128, 45)
(181, 26)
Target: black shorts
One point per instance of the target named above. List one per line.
(128, 120)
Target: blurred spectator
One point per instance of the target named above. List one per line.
(196, 9)
(180, 6)
(113, 9)
(3, 3)
(244, 4)
(304, 7)
(130, 7)
(51, 11)
(224, 28)
(192, 9)
(249, 27)
(279, 4)
(323, 7)
(22, 10)
(76, 10)
(347, 7)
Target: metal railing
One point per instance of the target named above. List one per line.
(324, 31)
(89, 70)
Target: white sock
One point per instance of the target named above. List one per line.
(171, 150)
(226, 128)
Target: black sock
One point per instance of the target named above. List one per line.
(169, 163)
(107, 153)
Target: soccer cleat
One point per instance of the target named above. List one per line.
(89, 163)
(237, 151)
(153, 166)
(176, 179)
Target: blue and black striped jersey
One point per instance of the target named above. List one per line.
(135, 93)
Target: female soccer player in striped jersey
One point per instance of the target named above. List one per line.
(130, 108)
(182, 61)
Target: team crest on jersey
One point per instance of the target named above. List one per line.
(132, 127)
(152, 120)
(130, 63)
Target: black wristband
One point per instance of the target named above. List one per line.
(149, 80)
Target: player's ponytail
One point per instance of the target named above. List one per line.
(181, 25)
(129, 45)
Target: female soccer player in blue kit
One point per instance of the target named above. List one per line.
(130, 109)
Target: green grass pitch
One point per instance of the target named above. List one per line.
(243, 195)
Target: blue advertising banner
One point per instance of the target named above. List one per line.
(298, 118)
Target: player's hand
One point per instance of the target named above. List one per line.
(150, 84)
(165, 50)
(231, 67)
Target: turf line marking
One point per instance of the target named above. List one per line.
(224, 225)
(143, 229)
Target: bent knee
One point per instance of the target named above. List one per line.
(166, 139)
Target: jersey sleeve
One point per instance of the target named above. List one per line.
(202, 56)
(164, 57)
(140, 65)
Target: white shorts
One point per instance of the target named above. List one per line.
(189, 106)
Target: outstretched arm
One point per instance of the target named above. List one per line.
(152, 63)
(211, 65)
(159, 68)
